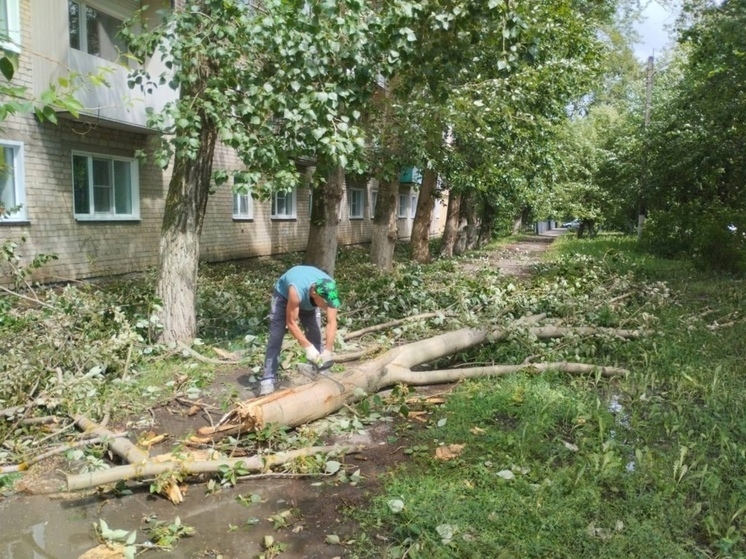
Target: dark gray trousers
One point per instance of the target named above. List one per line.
(310, 321)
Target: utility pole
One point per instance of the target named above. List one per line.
(643, 179)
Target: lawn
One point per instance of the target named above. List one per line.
(651, 465)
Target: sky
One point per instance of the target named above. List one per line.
(653, 36)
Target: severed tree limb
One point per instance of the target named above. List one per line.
(119, 446)
(531, 319)
(302, 404)
(152, 468)
(23, 466)
(10, 412)
(34, 300)
(40, 420)
(392, 324)
(209, 360)
(419, 378)
(355, 355)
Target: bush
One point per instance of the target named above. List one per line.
(669, 234)
(714, 238)
(720, 243)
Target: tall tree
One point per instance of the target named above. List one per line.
(278, 82)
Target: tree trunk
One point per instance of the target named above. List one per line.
(517, 224)
(321, 250)
(420, 241)
(178, 257)
(303, 404)
(450, 232)
(469, 212)
(486, 227)
(385, 226)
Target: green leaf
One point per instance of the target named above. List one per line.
(7, 67)
(332, 467)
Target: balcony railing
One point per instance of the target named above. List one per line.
(73, 38)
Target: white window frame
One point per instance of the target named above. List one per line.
(373, 202)
(134, 188)
(413, 205)
(402, 209)
(352, 195)
(19, 182)
(110, 10)
(284, 214)
(243, 201)
(13, 40)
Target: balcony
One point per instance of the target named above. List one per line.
(79, 37)
(410, 175)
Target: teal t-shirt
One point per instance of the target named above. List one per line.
(302, 278)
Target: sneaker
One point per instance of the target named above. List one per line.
(266, 387)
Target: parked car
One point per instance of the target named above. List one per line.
(574, 224)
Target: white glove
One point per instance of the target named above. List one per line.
(326, 356)
(312, 354)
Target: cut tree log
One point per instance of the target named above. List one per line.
(300, 405)
(162, 464)
(122, 447)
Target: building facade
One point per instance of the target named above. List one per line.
(79, 191)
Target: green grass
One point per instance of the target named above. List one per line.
(662, 475)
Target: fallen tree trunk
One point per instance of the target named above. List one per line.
(299, 405)
(152, 468)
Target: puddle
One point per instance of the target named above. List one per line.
(39, 528)
(49, 527)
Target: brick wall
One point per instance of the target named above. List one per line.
(87, 249)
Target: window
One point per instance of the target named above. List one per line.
(373, 201)
(12, 194)
(94, 31)
(243, 206)
(355, 203)
(402, 205)
(412, 205)
(283, 205)
(105, 188)
(10, 25)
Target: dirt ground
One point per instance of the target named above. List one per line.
(37, 525)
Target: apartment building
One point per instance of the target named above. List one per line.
(82, 193)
